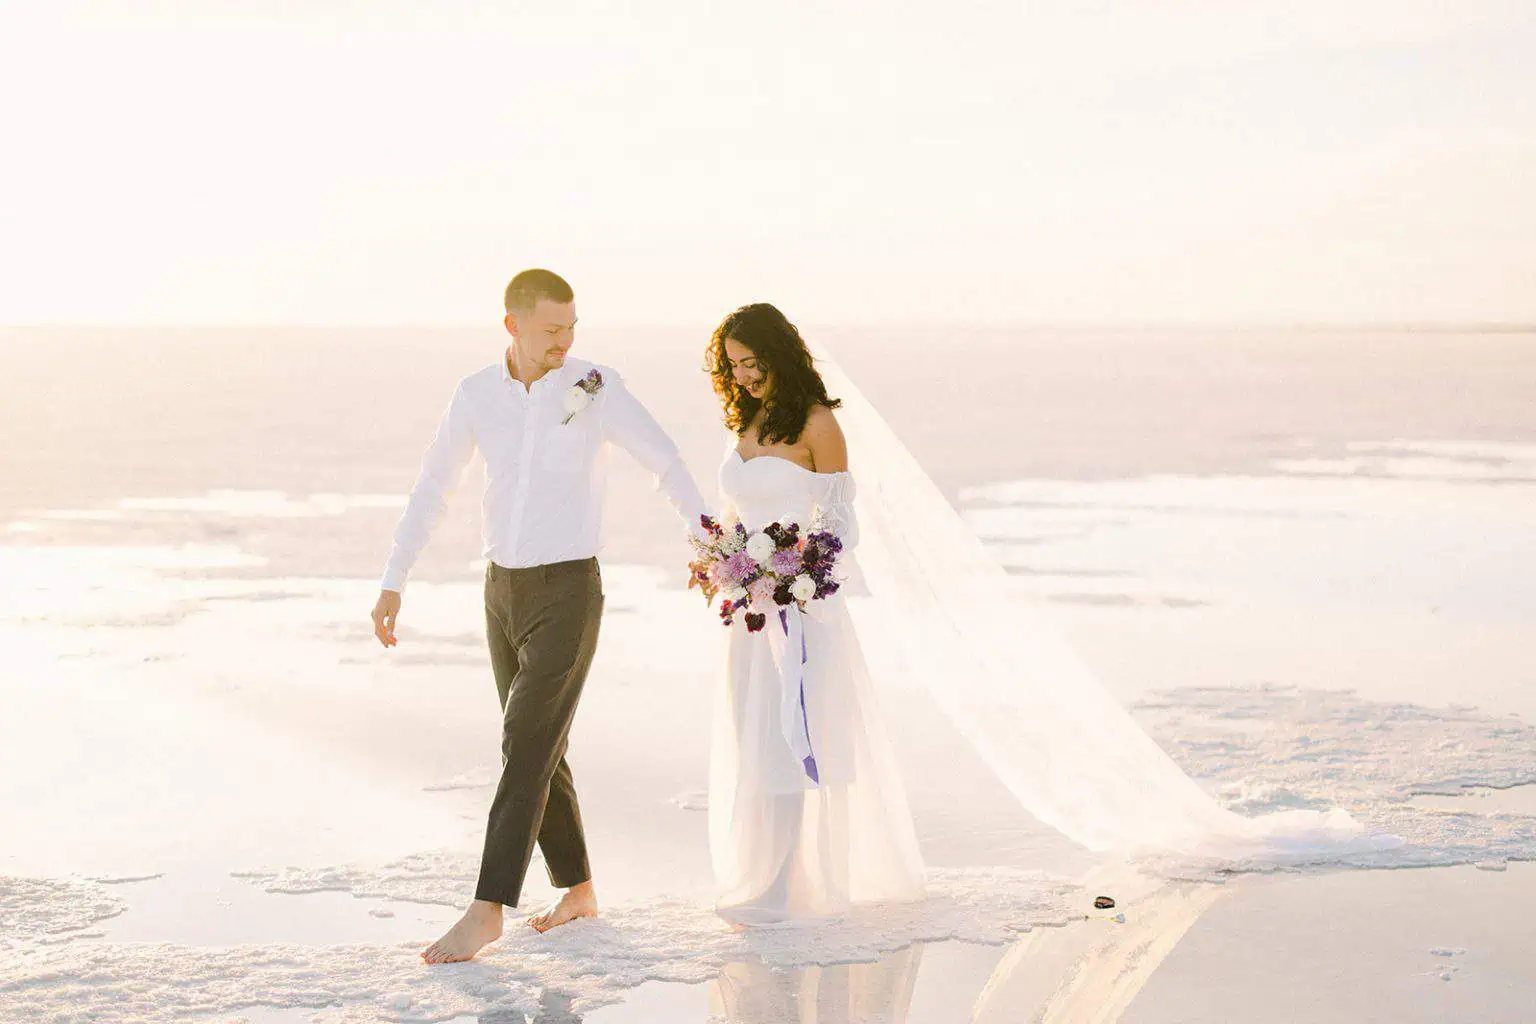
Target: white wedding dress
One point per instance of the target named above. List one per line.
(787, 848)
(789, 842)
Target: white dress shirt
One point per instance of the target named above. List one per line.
(544, 480)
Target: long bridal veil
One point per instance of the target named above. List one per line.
(1041, 721)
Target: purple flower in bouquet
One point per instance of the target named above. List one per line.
(783, 535)
(736, 570)
(823, 544)
(785, 562)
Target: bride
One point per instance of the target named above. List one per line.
(796, 838)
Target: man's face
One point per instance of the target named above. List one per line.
(544, 334)
(746, 370)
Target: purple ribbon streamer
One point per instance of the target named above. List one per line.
(810, 760)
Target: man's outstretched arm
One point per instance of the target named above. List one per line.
(442, 469)
(630, 425)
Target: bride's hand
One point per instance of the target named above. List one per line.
(385, 614)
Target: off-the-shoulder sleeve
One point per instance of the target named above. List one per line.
(834, 506)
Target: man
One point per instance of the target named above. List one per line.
(543, 422)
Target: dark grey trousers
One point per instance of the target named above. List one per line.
(541, 624)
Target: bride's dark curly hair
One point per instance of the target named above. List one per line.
(782, 355)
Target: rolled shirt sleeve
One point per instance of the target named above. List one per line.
(627, 424)
(442, 470)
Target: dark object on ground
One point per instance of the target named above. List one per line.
(1103, 902)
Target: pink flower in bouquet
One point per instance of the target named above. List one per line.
(736, 570)
(718, 577)
(785, 562)
(761, 592)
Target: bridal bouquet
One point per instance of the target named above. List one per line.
(763, 571)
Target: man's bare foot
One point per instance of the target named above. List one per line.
(578, 901)
(480, 926)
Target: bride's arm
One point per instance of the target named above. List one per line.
(829, 457)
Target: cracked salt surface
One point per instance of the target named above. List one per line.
(1275, 748)
(47, 911)
(592, 962)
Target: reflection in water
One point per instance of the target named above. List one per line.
(1086, 973)
(1091, 972)
(554, 1008)
(754, 993)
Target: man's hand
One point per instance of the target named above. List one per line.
(385, 614)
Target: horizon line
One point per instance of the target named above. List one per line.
(1312, 326)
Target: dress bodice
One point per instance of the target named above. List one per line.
(766, 487)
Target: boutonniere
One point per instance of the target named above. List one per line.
(580, 394)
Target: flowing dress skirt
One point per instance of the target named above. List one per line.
(786, 848)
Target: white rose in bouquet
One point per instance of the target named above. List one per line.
(803, 589)
(761, 547)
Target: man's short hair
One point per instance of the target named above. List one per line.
(526, 289)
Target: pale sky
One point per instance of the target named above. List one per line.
(379, 162)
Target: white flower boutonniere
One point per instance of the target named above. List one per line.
(581, 394)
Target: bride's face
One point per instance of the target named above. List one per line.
(748, 373)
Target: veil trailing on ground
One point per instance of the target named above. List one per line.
(1047, 728)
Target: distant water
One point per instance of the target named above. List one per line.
(94, 417)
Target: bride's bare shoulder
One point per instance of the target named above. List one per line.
(821, 418)
(824, 437)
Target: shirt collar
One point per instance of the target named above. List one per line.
(555, 377)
